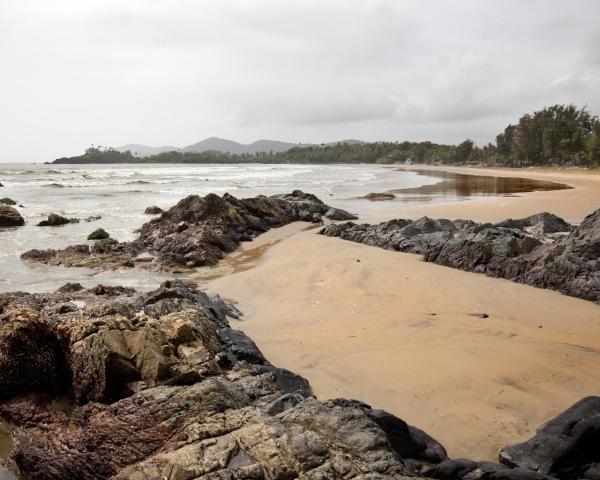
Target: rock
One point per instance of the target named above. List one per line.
(541, 250)
(7, 201)
(1, 185)
(10, 217)
(479, 315)
(93, 218)
(339, 214)
(378, 197)
(150, 400)
(98, 234)
(153, 210)
(565, 447)
(451, 469)
(198, 231)
(55, 220)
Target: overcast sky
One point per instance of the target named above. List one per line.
(172, 72)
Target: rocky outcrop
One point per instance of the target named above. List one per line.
(55, 220)
(154, 210)
(98, 234)
(565, 447)
(108, 383)
(160, 386)
(10, 217)
(542, 250)
(198, 231)
(7, 201)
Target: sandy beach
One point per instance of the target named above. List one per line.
(396, 332)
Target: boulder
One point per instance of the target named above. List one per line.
(10, 217)
(566, 447)
(339, 214)
(55, 220)
(98, 234)
(7, 201)
(154, 210)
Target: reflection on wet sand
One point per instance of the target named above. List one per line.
(466, 185)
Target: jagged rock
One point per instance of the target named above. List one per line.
(55, 220)
(154, 210)
(98, 234)
(7, 201)
(198, 231)
(10, 217)
(151, 400)
(565, 447)
(541, 250)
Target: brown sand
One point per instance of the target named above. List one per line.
(394, 331)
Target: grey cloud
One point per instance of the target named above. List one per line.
(157, 72)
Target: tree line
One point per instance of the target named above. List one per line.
(556, 135)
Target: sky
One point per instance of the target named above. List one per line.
(172, 72)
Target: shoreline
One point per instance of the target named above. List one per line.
(365, 329)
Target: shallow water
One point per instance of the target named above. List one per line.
(464, 185)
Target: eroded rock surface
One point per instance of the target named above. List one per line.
(159, 386)
(542, 250)
(198, 231)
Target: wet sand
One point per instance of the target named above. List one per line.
(395, 332)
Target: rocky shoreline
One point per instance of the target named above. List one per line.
(159, 385)
(542, 250)
(198, 231)
(112, 383)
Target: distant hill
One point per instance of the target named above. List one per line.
(144, 150)
(224, 145)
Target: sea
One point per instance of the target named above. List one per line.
(119, 194)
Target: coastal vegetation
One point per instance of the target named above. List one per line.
(556, 135)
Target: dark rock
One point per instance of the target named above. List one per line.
(7, 201)
(199, 231)
(98, 234)
(10, 217)
(378, 197)
(1, 185)
(479, 315)
(55, 220)
(93, 218)
(565, 447)
(541, 250)
(70, 288)
(339, 214)
(154, 210)
(451, 469)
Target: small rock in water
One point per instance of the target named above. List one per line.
(479, 315)
(55, 220)
(98, 234)
(1, 185)
(9, 217)
(7, 201)
(154, 210)
(93, 218)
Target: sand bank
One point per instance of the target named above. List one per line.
(395, 332)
